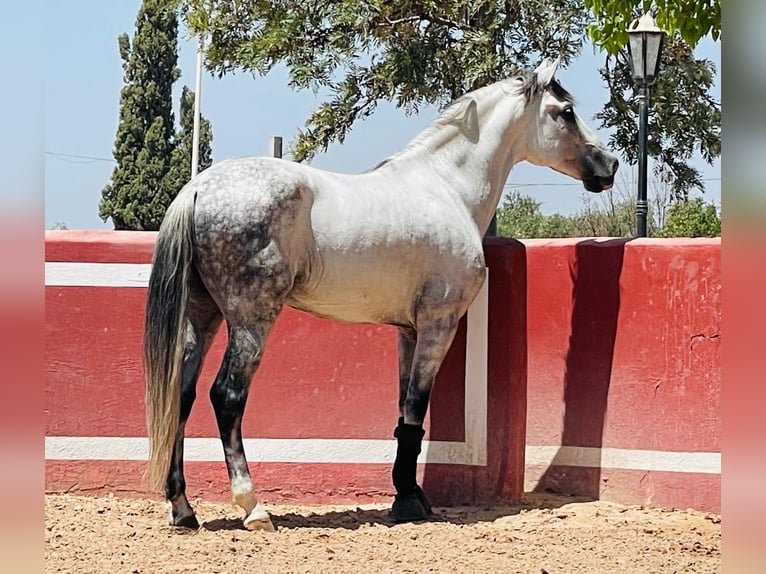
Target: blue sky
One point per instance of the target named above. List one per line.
(83, 78)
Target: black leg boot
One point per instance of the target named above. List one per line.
(410, 503)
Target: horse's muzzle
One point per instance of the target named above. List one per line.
(600, 173)
(598, 184)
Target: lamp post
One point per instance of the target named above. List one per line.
(197, 104)
(644, 48)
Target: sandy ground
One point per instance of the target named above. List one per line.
(546, 535)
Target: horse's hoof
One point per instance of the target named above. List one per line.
(263, 525)
(187, 521)
(408, 508)
(259, 519)
(423, 499)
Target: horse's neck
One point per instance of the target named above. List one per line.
(472, 153)
(486, 166)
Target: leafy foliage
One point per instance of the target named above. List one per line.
(610, 215)
(692, 218)
(148, 175)
(692, 19)
(683, 117)
(412, 52)
(356, 53)
(519, 216)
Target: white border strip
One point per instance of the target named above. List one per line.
(476, 367)
(625, 459)
(71, 274)
(357, 451)
(472, 452)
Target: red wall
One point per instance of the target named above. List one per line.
(609, 345)
(341, 379)
(624, 353)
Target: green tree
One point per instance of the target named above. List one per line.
(148, 174)
(692, 19)
(610, 214)
(692, 218)
(411, 52)
(180, 163)
(414, 52)
(519, 216)
(557, 225)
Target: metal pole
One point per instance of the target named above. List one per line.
(642, 205)
(275, 146)
(197, 98)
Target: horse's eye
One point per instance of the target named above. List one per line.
(568, 114)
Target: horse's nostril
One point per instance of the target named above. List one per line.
(615, 165)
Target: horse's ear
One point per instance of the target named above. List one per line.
(546, 71)
(467, 111)
(467, 119)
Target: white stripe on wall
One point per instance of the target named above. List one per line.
(339, 451)
(473, 451)
(75, 274)
(476, 367)
(357, 451)
(626, 459)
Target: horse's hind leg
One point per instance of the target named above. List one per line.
(229, 395)
(204, 318)
(434, 336)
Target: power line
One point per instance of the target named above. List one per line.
(92, 159)
(87, 159)
(71, 156)
(578, 184)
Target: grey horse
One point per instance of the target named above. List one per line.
(400, 244)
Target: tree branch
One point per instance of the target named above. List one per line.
(426, 18)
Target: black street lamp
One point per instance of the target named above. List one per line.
(644, 48)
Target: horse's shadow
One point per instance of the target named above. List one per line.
(354, 519)
(351, 519)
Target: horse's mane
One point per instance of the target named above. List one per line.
(527, 86)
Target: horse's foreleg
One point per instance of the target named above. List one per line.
(229, 396)
(433, 341)
(407, 339)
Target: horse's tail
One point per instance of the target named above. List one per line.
(165, 333)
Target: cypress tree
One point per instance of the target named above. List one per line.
(145, 179)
